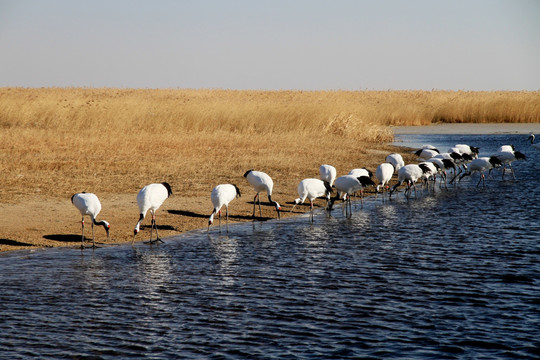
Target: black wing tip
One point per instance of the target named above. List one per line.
(238, 194)
(424, 167)
(168, 187)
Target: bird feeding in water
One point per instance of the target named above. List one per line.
(261, 182)
(221, 196)
(151, 197)
(88, 204)
(312, 189)
(408, 174)
(481, 165)
(345, 186)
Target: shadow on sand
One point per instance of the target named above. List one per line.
(10, 242)
(65, 237)
(206, 216)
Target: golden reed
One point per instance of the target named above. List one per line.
(55, 141)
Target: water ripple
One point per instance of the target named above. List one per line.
(452, 275)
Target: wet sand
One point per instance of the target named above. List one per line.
(46, 221)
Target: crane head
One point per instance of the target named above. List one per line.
(278, 209)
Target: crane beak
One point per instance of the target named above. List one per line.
(108, 234)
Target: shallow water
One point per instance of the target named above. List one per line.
(450, 274)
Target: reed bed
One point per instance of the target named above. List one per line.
(55, 140)
(58, 141)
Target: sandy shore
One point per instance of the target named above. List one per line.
(46, 221)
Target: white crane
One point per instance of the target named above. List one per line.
(531, 138)
(426, 153)
(410, 175)
(443, 166)
(346, 185)
(506, 148)
(396, 160)
(481, 165)
(360, 172)
(88, 204)
(312, 189)
(384, 174)
(465, 149)
(507, 158)
(221, 196)
(151, 197)
(430, 170)
(328, 173)
(261, 182)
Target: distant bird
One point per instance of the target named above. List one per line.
(531, 138)
(430, 147)
(430, 170)
(328, 173)
(507, 158)
(222, 195)
(384, 174)
(465, 149)
(410, 175)
(88, 204)
(443, 166)
(426, 153)
(312, 189)
(346, 185)
(481, 165)
(396, 160)
(506, 148)
(360, 172)
(261, 182)
(151, 197)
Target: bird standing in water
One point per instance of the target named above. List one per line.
(88, 204)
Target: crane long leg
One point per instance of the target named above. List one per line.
(82, 225)
(260, 210)
(227, 217)
(155, 225)
(254, 203)
(152, 228)
(93, 238)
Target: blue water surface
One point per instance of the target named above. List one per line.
(445, 274)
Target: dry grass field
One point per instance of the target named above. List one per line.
(58, 141)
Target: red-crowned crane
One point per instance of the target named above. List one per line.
(429, 170)
(261, 182)
(465, 149)
(396, 160)
(151, 197)
(410, 175)
(384, 174)
(312, 189)
(425, 153)
(507, 158)
(346, 185)
(328, 173)
(531, 138)
(88, 204)
(221, 196)
(481, 165)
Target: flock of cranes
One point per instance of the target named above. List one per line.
(460, 161)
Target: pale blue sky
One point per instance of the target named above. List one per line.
(250, 44)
